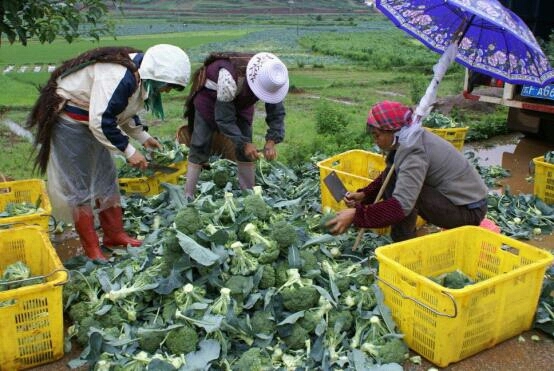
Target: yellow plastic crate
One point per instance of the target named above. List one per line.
(150, 186)
(456, 136)
(543, 186)
(173, 178)
(29, 190)
(447, 325)
(31, 316)
(356, 169)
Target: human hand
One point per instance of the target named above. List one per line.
(270, 153)
(152, 143)
(340, 223)
(352, 198)
(138, 161)
(251, 152)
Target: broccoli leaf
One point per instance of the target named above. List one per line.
(197, 252)
(294, 257)
(200, 360)
(170, 283)
(292, 318)
(159, 365)
(324, 238)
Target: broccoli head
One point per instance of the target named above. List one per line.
(297, 337)
(297, 298)
(182, 340)
(392, 351)
(114, 317)
(343, 283)
(456, 280)
(262, 322)
(309, 261)
(188, 220)
(284, 234)
(269, 254)
(220, 177)
(341, 320)
(242, 262)
(240, 286)
(312, 317)
(255, 205)
(254, 359)
(281, 275)
(270, 251)
(83, 328)
(79, 311)
(268, 277)
(150, 339)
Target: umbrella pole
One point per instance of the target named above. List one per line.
(381, 191)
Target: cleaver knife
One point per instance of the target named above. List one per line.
(161, 168)
(335, 185)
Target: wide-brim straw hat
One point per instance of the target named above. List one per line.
(267, 77)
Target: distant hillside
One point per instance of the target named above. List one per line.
(242, 7)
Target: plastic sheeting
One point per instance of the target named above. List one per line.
(80, 171)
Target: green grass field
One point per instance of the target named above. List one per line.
(339, 68)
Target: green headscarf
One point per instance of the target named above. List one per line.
(153, 101)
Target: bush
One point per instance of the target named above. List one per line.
(330, 120)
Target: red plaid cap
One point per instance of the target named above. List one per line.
(388, 115)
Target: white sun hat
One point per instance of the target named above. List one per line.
(267, 77)
(165, 63)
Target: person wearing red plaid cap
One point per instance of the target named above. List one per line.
(430, 178)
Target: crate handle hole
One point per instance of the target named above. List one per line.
(7, 303)
(6, 190)
(510, 249)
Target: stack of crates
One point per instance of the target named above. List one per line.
(30, 191)
(446, 325)
(543, 185)
(31, 316)
(151, 185)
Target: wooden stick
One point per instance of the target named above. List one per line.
(379, 195)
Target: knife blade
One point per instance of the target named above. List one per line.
(335, 185)
(161, 168)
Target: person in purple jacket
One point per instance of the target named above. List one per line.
(223, 97)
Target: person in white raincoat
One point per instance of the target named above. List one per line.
(89, 109)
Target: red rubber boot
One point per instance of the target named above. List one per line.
(111, 221)
(83, 219)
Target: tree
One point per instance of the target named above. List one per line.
(48, 19)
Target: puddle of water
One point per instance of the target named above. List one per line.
(515, 153)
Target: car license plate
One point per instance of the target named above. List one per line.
(542, 92)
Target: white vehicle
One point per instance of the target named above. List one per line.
(531, 109)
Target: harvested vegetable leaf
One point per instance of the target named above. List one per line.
(20, 208)
(453, 280)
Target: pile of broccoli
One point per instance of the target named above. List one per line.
(234, 280)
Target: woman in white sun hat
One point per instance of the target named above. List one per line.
(88, 109)
(223, 95)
